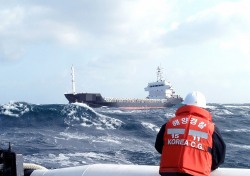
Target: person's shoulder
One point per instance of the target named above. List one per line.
(164, 125)
(216, 128)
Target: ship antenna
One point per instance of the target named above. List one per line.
(73, 79)
(159, 74)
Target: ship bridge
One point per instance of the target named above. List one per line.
(160, 89)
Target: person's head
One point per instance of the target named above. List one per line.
(195, 98)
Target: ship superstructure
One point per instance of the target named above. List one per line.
(160, 89)
(161, 95)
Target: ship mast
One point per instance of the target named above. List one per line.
(73, 80)
(159, 74)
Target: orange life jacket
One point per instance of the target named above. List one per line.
(188, 142)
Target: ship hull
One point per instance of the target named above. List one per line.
(96, 100)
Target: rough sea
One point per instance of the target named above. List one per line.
(63, 135)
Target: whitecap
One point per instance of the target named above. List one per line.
(211, 107)
(108, 139)
(67, 135)
(237, 130)
(150, 126)
(240, 146)
(14, 109)
(90, 118)
(238, 106)
(169, 115)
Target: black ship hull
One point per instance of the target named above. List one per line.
(95, 100)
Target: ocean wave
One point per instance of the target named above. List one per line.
(92, 139)
(83, 115)
(60, 135)
(211, 107)
(14, 109)
(169, 115)
(150, 126)
(240, 146)
(76, 114)
(75, 135)
(223, 112)
(77, 158)
(98, 157)
(108, 139)
(244, 106)
(237, 130)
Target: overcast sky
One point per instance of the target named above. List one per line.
(116, 46)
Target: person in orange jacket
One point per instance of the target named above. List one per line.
(190, 143)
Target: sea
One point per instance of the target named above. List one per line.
(65, 135)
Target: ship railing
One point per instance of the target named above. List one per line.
(176, 96)
(134, 100)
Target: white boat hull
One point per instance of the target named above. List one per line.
(125, 170)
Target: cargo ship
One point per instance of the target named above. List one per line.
(161, 95)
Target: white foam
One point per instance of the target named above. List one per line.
(238, 106)
(63, 159)
(237, 130)
(150, 126)
(82, 136)
(169, 115)
(241, 146)
(14, 109)
(100, 122)
(91, 155)
(72, 136)
(87, 107)
(110, 123)
(227, 112)
(211, 107)
(108, 139)
(223, 112)
(112, 111)
(82, 105)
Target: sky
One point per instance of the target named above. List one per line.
(117, 45)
